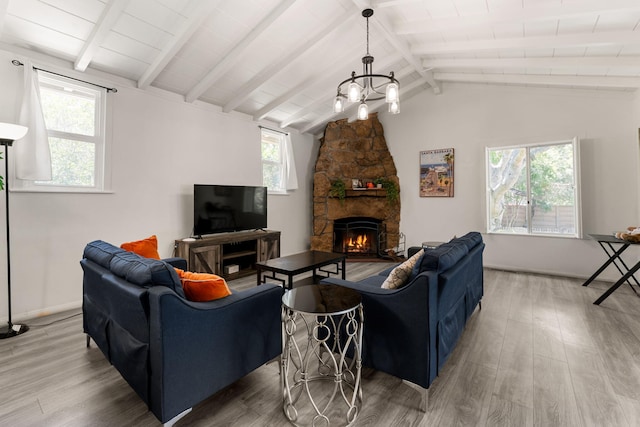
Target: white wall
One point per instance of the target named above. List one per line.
(472, 117)
(161, 146)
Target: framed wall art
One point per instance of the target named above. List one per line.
(436, 173)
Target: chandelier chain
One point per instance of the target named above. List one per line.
(367, 36)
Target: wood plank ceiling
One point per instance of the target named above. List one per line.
(281, 60)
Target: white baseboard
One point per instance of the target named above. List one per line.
(30, 315)
(602, 278)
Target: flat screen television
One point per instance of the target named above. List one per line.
(226, 208)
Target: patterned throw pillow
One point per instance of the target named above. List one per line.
(399, 275)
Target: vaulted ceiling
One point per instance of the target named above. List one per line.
(281, 60)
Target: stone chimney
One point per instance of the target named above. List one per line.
(348, 151)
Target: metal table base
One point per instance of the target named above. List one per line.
(606, 242)
(320, 356)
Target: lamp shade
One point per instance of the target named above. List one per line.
(353, 92)
(338, 104)
(363, 111)
(391, 93)
(12, 132)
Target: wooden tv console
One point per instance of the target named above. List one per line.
(222, 253)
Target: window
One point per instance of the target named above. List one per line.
(278, 168)
(534, 189)
(75, 116)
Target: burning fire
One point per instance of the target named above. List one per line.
(359, 243)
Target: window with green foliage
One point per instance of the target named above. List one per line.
(75, 115)
(273, 161)
(534, 189)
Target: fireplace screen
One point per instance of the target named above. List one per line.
(358, 236)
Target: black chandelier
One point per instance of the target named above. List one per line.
(368, 86)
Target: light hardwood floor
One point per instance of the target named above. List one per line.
(539, 353)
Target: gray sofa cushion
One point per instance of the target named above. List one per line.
(145, 271)
(101, 252)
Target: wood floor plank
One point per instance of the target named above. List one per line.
(469, 401)
(631, 409)
(505, 413)
(554, 401)
(614, 344)
(538, 353)
(597, 403)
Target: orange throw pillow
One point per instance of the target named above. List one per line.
(202, 287)
(147, 248)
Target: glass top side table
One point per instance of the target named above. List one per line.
(320, 366)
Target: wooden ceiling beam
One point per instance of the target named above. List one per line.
(600, 39)
(110, 14)
(631, 63)
(236, 52)
(279, 65)
(614, 82)
(199, 13)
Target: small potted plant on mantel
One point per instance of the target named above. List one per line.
(338, 189)
(390, 186)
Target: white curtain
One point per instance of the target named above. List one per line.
(32, 155)
(290, 175)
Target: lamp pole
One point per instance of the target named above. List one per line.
(15, 132)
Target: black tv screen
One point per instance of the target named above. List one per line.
(225, 208)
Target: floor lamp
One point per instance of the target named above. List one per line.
(9, 133)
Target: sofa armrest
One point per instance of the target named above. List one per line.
(176, 262)
(198, 348)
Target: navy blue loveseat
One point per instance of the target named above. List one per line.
(410, 332)
(174, 353)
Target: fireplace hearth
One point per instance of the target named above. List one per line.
(358, 237)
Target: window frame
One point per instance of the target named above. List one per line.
(575, 143)
(101, 138)
(281, 164)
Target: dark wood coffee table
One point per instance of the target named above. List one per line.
(296, 264)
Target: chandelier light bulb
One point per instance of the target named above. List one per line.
(354, 92)
(338, 104)
(392, 93)
(394, 107)
(363, 111)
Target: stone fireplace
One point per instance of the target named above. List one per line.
(365, 222)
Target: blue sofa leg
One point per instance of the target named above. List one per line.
(175, 419)
(424, 395)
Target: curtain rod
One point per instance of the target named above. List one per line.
(108, 89)
(272, 130)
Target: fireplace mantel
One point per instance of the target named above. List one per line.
(368, 192)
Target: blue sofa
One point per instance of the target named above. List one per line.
(174, 353)
(410, 332)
